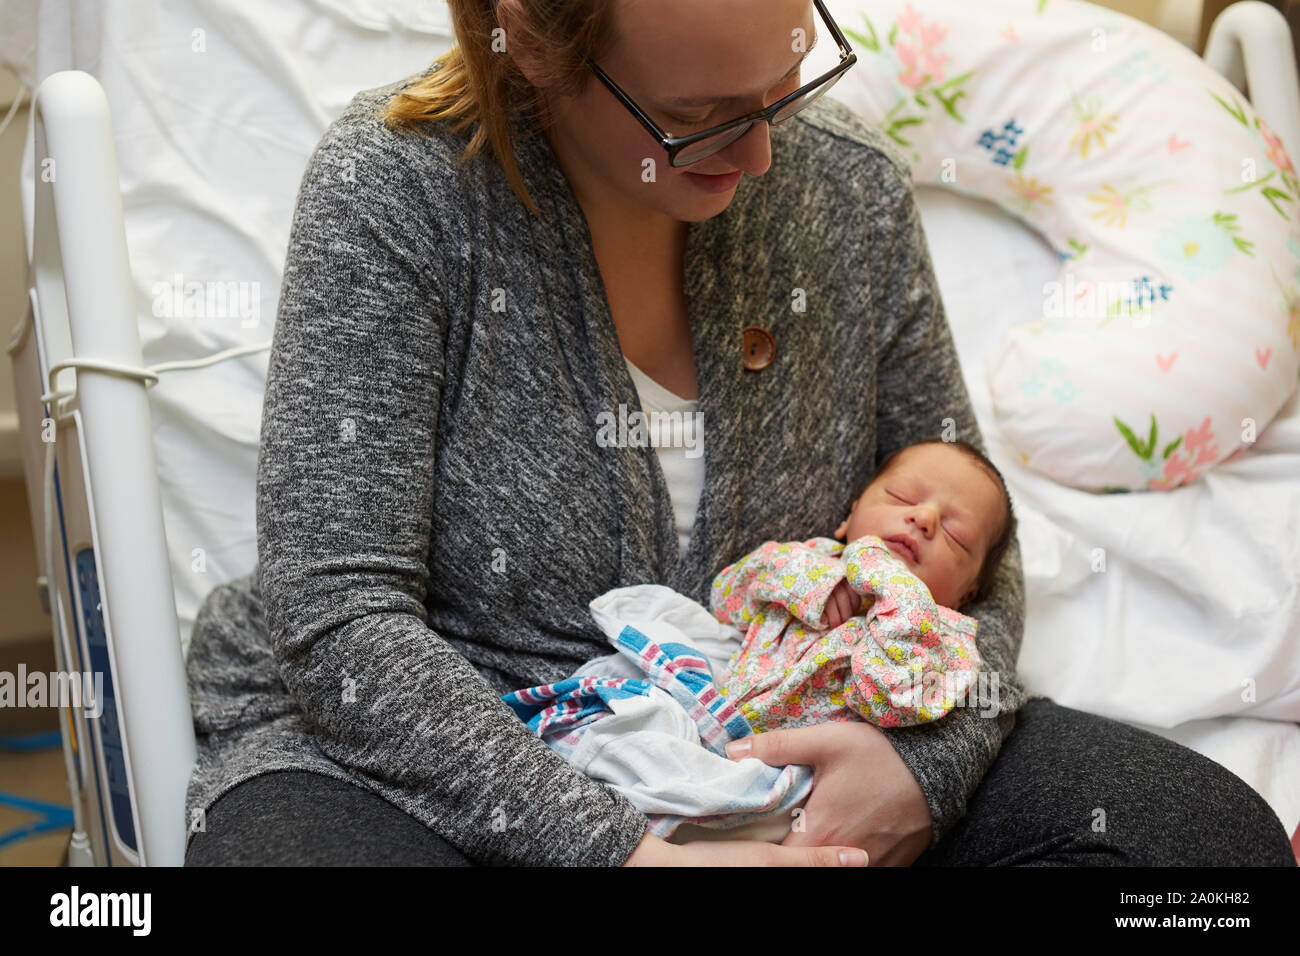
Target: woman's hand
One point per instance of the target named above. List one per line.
(863, 793)
(843, 603)
(652, 851)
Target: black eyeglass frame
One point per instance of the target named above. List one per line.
(675, 144)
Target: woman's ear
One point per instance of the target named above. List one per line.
(513, 22)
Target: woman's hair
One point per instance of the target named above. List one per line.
(993, 558)
(478, 82)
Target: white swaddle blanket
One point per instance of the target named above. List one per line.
(649, 748)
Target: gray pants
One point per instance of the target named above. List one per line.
(1163, 804)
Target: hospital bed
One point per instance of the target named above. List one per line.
(165, 148)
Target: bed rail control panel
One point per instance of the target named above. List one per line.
(114, 769)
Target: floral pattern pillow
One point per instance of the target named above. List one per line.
(1171, 337)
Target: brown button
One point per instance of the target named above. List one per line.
(760, 348)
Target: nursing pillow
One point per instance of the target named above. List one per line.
(1171, 337)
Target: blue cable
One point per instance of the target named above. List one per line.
(52, 817)
(29, 742)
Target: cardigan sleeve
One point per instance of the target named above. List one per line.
(345, 486)
(919, 388)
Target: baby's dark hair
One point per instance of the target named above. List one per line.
(993, 558)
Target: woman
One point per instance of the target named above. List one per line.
(436, 504)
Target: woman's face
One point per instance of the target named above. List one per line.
(735, 56)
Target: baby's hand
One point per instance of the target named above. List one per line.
(843, 603)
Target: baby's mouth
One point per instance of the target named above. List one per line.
(904, 545)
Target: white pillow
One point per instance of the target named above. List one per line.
(1172, 336)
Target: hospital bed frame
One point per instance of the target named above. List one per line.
(92, 484)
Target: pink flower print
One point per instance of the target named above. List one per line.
(917, 48)
(911, 77)
(909, 21)
(795, 710)
(1277, 154)
(1177, 471)
(932, 36)
(929, 639)
(934, 64)
(889, 719)
(1200, 440)
(1196, 437)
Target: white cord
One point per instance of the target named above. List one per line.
(147, 375)
(79, 851)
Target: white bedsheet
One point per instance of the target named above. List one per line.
(216, 107)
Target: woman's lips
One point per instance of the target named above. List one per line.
(716, 184)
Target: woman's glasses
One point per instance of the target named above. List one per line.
(685, 150)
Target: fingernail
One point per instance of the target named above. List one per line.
(853, 857)
(739, 748)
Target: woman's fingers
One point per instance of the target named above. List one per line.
(800, 745)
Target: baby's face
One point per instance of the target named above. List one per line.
(945, 504)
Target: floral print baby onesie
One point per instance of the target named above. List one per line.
(903, 659)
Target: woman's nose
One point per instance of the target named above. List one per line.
(753, 151)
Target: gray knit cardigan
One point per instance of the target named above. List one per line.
(435, 512)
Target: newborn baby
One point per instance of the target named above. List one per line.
(870, 629)
(815, 631)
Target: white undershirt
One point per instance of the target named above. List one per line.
(684, 474)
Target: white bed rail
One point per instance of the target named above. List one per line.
(86, 333)
(1250, 43)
